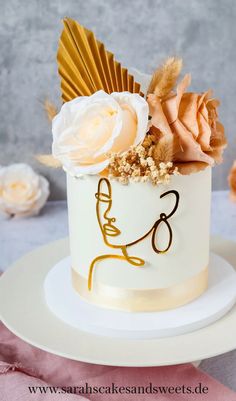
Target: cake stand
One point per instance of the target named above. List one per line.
(24, 311)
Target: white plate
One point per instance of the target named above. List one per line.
(66, 304)
(24, 311)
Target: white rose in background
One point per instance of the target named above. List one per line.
(22, 191)
(88, 128)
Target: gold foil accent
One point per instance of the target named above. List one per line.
(85, 66)
(138, 300)
(108, 229)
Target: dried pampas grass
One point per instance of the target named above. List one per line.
(50, 109)
(48, 160)
(165, 77)
(164, 149)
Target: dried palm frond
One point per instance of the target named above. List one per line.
(165, 77)
(85, 66)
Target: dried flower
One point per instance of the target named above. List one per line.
(165, 77)
(189, 122)
(50, 109)
(138, 165)
(232, 181)
(48, 160)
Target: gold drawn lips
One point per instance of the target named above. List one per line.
(104, 196)
(111, 230)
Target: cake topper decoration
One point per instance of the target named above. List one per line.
(109, 128)
(108, 228)
(85, 66)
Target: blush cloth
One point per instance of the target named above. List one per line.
(23, 366)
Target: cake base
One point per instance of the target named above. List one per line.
(25, 313)
(68, 306)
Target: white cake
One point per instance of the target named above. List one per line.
(166, 280)
(138, 160)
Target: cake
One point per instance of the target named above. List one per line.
(147, 275)
(138, 164)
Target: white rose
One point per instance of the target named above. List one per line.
(22, 191)
(89, 127)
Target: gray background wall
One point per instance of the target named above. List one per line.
(141, 33)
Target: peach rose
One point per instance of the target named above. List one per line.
(22, 191)
(232, 182)
(191, 120)
(89, 127)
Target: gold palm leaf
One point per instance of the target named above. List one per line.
(85, 66)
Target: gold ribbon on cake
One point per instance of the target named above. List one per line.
(135, 300)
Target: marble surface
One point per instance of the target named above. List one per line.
(18, 236)
(141, 33)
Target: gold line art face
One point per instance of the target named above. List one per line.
(108, 228)
(104, 200)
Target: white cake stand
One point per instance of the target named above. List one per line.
(24, 311)
(68, 306)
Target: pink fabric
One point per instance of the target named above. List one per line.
(22, 365)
